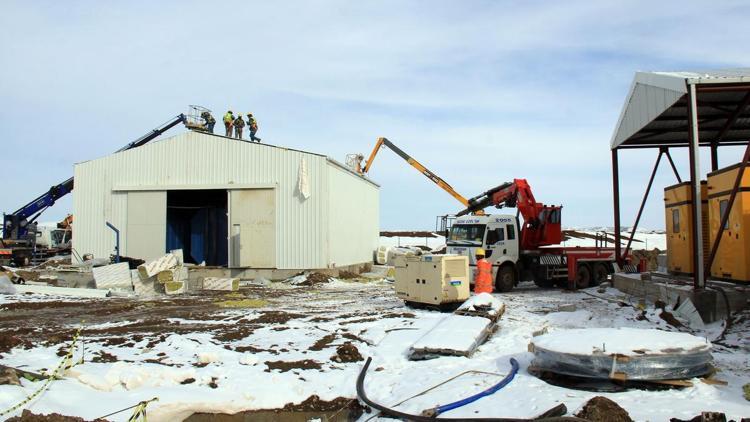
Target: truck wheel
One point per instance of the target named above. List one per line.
(599, 274)
(506, 279)
(583, 276)
(540, 278)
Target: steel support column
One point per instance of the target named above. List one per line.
(699, 276)
(616, 197)
(714, 156)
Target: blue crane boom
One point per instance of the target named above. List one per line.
(15, 225)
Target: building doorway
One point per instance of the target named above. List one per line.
(197, 224)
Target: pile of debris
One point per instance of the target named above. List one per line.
(167, 274)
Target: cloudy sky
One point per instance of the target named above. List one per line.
(479, 91)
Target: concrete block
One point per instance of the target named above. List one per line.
(154, 267)
(115, 276)
(215, 283)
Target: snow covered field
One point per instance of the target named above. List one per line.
(268, 346)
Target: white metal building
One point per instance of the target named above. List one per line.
(226, 202)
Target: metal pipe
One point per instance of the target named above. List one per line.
(695, 175)
(616, 197)
(117, 240)
(725, 215)
(643, 202)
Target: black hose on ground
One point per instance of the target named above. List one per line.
(554, 414)
(728, 312)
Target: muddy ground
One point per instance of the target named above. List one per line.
(116, 323)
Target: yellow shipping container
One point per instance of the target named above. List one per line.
(678, 206)
(733, 257)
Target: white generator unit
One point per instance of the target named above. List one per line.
(432, 279)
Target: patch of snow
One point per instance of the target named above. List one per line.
(249, 359)
(482, 300)
(454, 332)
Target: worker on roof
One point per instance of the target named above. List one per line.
(210, 121)
(228, 120)
(252, 125)
(483, 273)
(238, 125)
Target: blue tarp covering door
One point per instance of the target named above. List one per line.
(197, 224)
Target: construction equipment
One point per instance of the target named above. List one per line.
(436, 280)
(678, 207)
(732, 258)
(356, 160)
(533, 254)
(18, 244)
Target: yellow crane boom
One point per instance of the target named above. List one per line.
(416, 164)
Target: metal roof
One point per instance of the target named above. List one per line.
(656, 109)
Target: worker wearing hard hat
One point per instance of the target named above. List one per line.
(483, 273)
(238, 125)
(210, 121)
(252, 126)
(228, 120)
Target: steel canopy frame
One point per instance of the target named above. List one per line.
(693, 143)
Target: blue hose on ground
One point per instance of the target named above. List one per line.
(492, 390)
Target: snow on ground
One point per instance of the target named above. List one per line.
(269, 354)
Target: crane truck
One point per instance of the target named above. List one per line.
(518, 251)
(529, 250)
(18, 244)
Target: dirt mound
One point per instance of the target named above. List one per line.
(288, 366)
(347, 275)
(316, 278)
(9, 341)
(315, 404)
(323, 342)
(104, 357)
(347, 352)
(34, 306)
(602, 409)
(275, 317)
(27, 416)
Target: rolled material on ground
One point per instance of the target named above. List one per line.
(625, 354)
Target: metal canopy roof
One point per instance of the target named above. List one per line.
(655, 113)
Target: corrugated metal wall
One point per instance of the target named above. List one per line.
(354, 210)
(197, 160)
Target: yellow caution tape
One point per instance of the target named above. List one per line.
(64, 364)
(139, 414)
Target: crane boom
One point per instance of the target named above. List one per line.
(417, 165)
(15, 224)
(541, 227)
